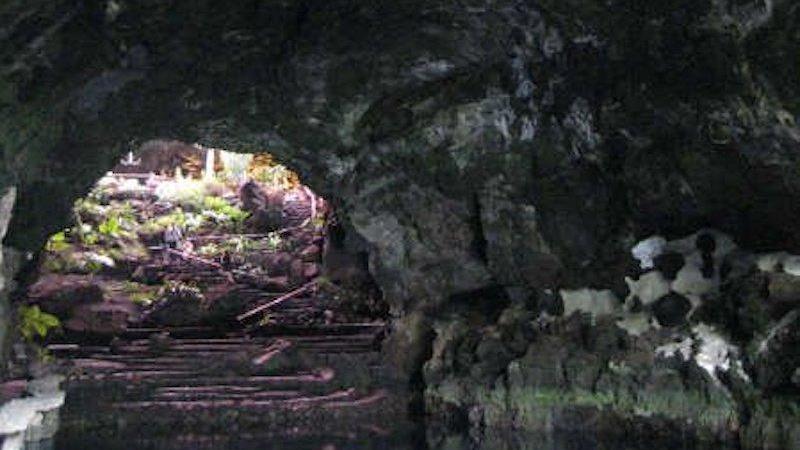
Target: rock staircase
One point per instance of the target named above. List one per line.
(301, 380)
(295, 374)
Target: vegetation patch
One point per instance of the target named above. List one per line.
(36, 324)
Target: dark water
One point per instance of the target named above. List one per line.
(415, 439)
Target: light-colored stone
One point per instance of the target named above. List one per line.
(647, 250)
(683, 349)
(769, 262)
(791, 265)
(598, 303)
(648, 288)
(690, 280)
(18, 414)
(636, 324)
(716, 354)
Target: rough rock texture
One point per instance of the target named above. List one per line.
(80, 303)
(8, 260)
(720, 367)
(509, 145)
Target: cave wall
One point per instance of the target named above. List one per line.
(510, 145)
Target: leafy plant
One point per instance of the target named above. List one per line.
(110, 227)
(274, 241)
(142, 298)
(139, 293)
(239, 244)
(34, 323)
(210, 250)
(57, 242)
(221, 208)
(185, 220)
(185, 193)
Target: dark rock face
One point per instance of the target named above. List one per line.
(671, 310)
(265, 208)
(512, 144)
(669, 264)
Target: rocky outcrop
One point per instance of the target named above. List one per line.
(685, 356)
(81, 304)
(519, 147)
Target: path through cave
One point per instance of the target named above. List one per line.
(255, 318)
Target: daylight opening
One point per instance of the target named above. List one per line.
(198, 277)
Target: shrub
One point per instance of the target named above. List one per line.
(221, 207)
(187, 221)
(110, 227)
(34, 323)
(187, 193)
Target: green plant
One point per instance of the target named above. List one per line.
(142, 298)
(187, 221)
(274, 241)
(224, 210)
(139, 293)
(239, 244)
(34, 323)
(210, 250)
(186, 193)
(276, 176)
(57, 242)
(91, 238)
(110, 227)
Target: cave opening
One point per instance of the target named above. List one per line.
(193, 279)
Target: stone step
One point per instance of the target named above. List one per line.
(246, 403)
(217, 396)
(182, 378)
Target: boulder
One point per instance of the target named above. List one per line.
(275, 264)
(265, 208)
(178, 312)
(60, 295)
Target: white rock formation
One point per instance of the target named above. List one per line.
(647, 250)
(597, 303)
(648, 288)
